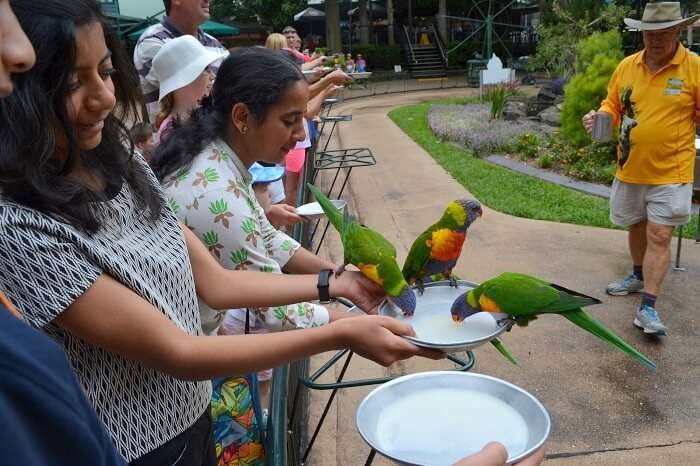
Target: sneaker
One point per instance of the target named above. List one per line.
(629, 284)
(648, 320)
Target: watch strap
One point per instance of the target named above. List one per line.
(324, 295)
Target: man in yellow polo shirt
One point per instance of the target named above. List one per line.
(653, 97)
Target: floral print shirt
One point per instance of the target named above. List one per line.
(214, 197)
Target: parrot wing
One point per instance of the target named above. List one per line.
(375, 256)
(520, 294)
(418, 256)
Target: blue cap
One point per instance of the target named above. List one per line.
(263, 174)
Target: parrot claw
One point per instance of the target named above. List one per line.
(339, 270)
(453, 281)
(507, 322)
(420, 287)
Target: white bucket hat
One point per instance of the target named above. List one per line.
(180, 61)
(661, 15)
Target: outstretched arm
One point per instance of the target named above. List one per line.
(229, 289)
(111, 316)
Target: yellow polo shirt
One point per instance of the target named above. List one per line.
(655, 113)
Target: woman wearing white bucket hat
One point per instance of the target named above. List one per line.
(181, 67)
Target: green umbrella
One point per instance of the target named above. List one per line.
(210, 27)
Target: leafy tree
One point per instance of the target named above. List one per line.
(597, 57)
(559, 36)
(274, 14)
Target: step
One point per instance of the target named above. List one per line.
(429, 74)
(435, 61)
(427, 65)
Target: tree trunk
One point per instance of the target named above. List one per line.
(390, 21)
(364, 23)
(333, 39)
(442, 21)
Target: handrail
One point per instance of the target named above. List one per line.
(440, 45)
(408, 43)
(281, 440)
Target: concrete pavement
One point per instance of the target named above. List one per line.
(606, 409)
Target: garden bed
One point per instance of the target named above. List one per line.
(503, 189)
(471, 125)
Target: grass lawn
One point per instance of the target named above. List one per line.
(502, 189)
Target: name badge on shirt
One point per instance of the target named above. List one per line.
(674, 86)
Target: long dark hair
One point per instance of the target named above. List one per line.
(30, 172)
(255, 76)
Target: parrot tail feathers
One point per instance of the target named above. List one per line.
(335, 216)
(580, 318)
(498, 344)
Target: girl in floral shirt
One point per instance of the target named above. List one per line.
(251, 115)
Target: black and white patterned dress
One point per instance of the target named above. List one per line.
(45, 265)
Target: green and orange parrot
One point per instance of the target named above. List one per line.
(437, 249)
(370, 252)
(524, 297)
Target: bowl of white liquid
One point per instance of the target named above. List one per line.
(433, 322)
(437, 418)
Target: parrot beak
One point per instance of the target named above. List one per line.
(461, 309)
(406, 301)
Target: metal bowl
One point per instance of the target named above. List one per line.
(437, 418)
(433, 323)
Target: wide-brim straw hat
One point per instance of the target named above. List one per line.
(182, 60)
(661, 15)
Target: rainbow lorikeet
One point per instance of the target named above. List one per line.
(437, 249)
(523, 297)
(370, 252)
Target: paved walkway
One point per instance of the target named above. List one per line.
(606, 409)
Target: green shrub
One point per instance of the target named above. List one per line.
(528, 146)
(596, 59)
(545, 161)
(496, 95)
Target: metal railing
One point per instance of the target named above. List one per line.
(409, 43)
(438, 40)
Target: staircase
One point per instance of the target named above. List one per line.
(427, 63)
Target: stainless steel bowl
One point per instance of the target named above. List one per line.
(437, 418)
(433, 323)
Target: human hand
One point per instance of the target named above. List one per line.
(378, 338)
(587, 121)
(495, 454)
(283, 215)
(338, 77)
(330, 90)
(354, 286)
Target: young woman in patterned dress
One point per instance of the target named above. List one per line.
(92, 254)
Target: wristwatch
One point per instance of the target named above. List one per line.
(324, 295)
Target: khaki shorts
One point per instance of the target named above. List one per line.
(664, 204)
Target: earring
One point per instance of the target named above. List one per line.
(244, 129)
